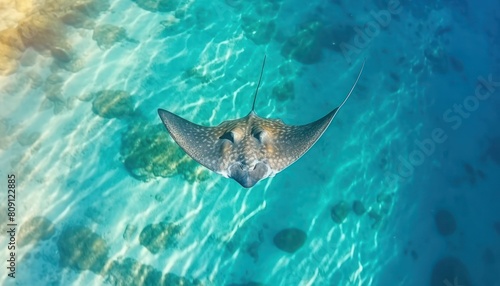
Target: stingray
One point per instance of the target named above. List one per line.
(251, 148)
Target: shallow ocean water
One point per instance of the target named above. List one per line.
(402, 189)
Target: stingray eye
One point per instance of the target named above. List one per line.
(259, 135)
(228, 135)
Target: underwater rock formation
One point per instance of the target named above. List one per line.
(79, 14)
(376, 217)
(305, 45)
(113, 104)
(197, 73)
(339, 212)
(148, 152)
(130, 272)
(53, 91)
(284, 91)
(385, 198)
(160, 236)
(157, 5)
(77, 20)
(358, 208)
(258, 31)
(130, 231)
(28, 139)
(449, 269)
(445, 222)
(253, 250)
(289, 239)
(170, 27)
(89, 8)
(42, 32)
(336, 37)
(54, 97)
(44, 29)
(81, 249)
(107, 35)
(35, 229)
(62, 53)
(437, 58)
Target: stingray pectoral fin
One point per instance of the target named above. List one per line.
(196, 140)
(292, 142)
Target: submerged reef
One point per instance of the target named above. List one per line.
(290, 239)
(113, 104)
(376, 217)
(358, 207)
(449, 269)
(80, 14)
(305, 45)
(107, 35)
(257, 19)
(129, 232)
(52, 88)
(54, 96)
(197, 73)
(339, 212)
(28, 138)
(257, 30)
(160, 236)
(42, 33)
(284, 91)
(35, 229)
(81, 249)
(437, 58)
(44, 29)
(130, 272)
(157, 5)
(148, 152)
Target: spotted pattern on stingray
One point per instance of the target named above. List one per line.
(248, 149)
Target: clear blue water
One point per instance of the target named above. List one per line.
(402, 189)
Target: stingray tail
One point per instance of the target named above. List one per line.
(258, 85)
(353, 86)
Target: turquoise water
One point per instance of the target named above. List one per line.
(402, 189)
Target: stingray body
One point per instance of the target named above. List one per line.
(251, 148)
